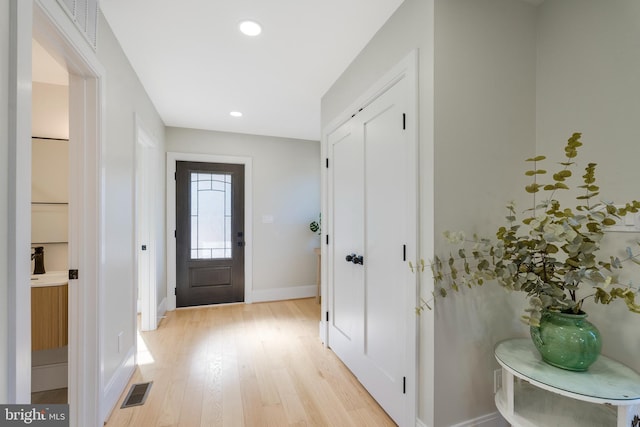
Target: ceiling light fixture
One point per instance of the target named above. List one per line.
(235, 114)
(250, 28)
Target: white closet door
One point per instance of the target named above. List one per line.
(369, 207)
(386, 271)
(346, 296)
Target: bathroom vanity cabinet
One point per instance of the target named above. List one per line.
(49, 314)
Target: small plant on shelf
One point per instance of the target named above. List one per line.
(316, 226)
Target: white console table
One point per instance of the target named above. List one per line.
(534, 393)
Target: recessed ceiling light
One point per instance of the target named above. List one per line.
(236, 114)
(250, 28)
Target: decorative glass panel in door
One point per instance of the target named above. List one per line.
(210, 216)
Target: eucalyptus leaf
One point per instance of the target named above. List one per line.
(532, 188)
(536, 159)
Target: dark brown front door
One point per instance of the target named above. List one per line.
(209, 233)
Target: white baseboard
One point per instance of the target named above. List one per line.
(489, 420)
(49, 377)
(280, 294)
(162, 309)
(117, 384)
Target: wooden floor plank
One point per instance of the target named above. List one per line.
(246, 365)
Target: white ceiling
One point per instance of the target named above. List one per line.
(197, 67)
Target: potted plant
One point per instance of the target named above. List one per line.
(551, 254)
(316, 226)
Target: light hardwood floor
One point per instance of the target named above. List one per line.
(246, 365)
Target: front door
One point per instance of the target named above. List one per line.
(209, 233)
(370, 283)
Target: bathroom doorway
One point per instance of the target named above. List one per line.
(49, 228)
(46, 23)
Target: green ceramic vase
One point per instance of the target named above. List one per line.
(567, 341)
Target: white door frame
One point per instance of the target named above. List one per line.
(406, 68)
(19, 212)
(47, 22)
(172, 158)
(145, 226)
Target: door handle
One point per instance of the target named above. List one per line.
(356, 259)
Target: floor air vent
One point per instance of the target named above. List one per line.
(137, 395)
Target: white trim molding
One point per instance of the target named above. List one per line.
(419, 423)
(493, 419)
(162, 309)
(281, 294)
(19, 197)
(113, 390)
(172, 158)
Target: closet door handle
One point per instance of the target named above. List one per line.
(356, 259)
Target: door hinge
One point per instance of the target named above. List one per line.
(175, 291)
(327, 316)
(404, 385)
(327, 236)
(175, 176)
(404, 121)
(404, 252)
(326, 162)
(175, 233)
(73, 274)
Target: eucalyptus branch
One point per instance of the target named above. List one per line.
(548, 255)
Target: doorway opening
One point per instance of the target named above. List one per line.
(147, 230)
(44, 23)
(49, 228)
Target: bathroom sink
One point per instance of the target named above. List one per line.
(52, 278)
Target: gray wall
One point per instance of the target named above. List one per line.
(4, 197)
(409, 28)
(286, 186)
(125, 97)
(485, 61)
(588, 68)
